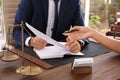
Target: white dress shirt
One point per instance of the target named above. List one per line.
(51, 17)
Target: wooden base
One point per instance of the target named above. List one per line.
(82, 70)
(33, 59)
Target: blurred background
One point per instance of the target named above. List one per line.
(98, 14)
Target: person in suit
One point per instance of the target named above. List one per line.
(86, 32)
(50, 17)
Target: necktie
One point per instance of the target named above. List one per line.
(56, 12)
(56, 17)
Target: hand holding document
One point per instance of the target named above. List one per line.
(45, 37)
(37, 43)
(58, 50)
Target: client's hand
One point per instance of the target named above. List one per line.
(73, 45)
(37, 43)
(81, 33)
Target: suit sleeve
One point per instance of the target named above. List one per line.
(24, 14)
(78, 18)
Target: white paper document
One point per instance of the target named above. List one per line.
(54, 52)
(58, 50)
(45, 37)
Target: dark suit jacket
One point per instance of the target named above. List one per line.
(35, 12)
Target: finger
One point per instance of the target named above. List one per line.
(69, 40)
(35, 40)
(75, 36)
(75, 50)
(71, 31)
(70, 27)
(75, 28)
(66, 34)
(74, 45)
(40, 41)
(38, 47)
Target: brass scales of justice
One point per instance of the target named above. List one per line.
(8, 56)
(27, 70)
(24, 70)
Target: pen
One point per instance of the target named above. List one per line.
(70, 31)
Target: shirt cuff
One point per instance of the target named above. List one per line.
(27, 41)
(82, 42)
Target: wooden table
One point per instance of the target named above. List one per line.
(106, 67)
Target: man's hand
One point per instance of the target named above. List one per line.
(73, 45)
(37, 43)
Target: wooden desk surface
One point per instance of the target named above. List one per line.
(106, 67)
